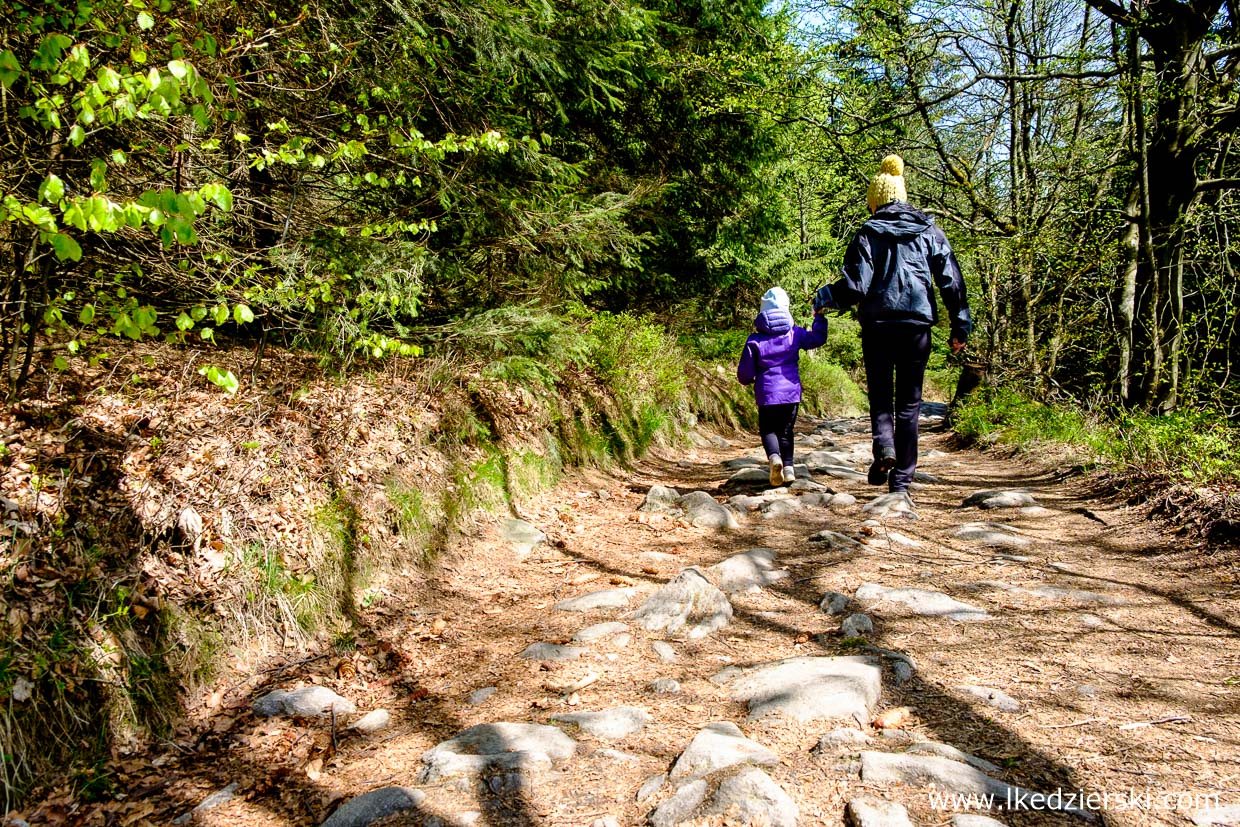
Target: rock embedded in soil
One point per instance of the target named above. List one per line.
(690, 605)
(742, 462)
(522, 536)
(751, 796)
(842, 500)
(600, 630)
(552, 652)
(665, 651)
(374, 805)
(896, 504)
(1000, 498)
(651, 786)
(747, 502)
(857, 625)
(991, 535)
(781, 508)
(479, 696)
(719, 745)
(992, 697)
(749, 476)
(609, 724)
(931, 770)
(748, 571)
(842, 738)
(870, 811)
(660, 499)
(835, 541)
(703, 511)
(683, 804)
(1223, 815)
(372, 722)
(834, 603)
(923, 602)
(306, 702)
(503, 745)
(948, 751)
(807, 688)
(215, 799)
(975, 820)
(665, 686)
(606, 599)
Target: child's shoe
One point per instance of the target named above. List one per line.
(777, 469)
(790, 475)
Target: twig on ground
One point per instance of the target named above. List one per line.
(1170, 719)
(1081, 722)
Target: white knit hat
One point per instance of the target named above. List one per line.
(774, 298)
(888, 185)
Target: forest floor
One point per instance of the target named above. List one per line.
(1110, 643)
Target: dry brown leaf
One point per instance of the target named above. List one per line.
(439, 626)
(314, 769)
(896, 718)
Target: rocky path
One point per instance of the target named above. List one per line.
(685, 645)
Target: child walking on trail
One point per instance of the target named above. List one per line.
(769, 363)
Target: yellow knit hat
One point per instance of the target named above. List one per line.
(888, 185)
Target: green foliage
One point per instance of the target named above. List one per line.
(828, 389)
(638, 360)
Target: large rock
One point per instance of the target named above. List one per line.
(690, 605)
(749, 476)
(702, 511)
(920, 602)
(502, 746)
(808, 688)
(754, 798)
(719, 745)
(374, 805)
(306, 702)
(609, 724)
(748, 571)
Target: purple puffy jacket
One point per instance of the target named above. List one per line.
(770, 358)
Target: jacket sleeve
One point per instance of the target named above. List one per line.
(816, 336)
(746, 371)
(946, 272)
(858, 273)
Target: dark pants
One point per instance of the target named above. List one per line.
(895, 405)
(775, 423)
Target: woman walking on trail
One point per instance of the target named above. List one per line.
(769, 363)
(891, 268)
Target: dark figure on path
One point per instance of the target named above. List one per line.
(890, 270)
(770, 363)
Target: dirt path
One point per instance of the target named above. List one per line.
(1117, 645)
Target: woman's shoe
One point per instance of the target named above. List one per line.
(777, 470)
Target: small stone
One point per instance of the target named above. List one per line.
(504, 746)
(664, 650)
(834, 603)
(620, 757)
(306, 702)
(842, 500)
(835, 541)
(857, 625)
(780, 508)
(903, 671)
(869, 811)
(1225, 815)
(665, 686)
(374, 805)
(991, 535)
(975, 820)
(1086, 690)
(921, 602)
(605, 821)
(993, 697)
(948, 751)
(552, 651)
(480, 695)
(809, 486)
(893, 504)
(702, 511)
(680, 806)
(372, 722)
(1000, 498)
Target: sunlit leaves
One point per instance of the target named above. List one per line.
(221, 378)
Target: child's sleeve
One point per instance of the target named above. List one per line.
(747, 369)
(816, 336)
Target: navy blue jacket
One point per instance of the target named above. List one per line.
(891, 268)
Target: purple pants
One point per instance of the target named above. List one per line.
(895, 365)
(775, 423)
